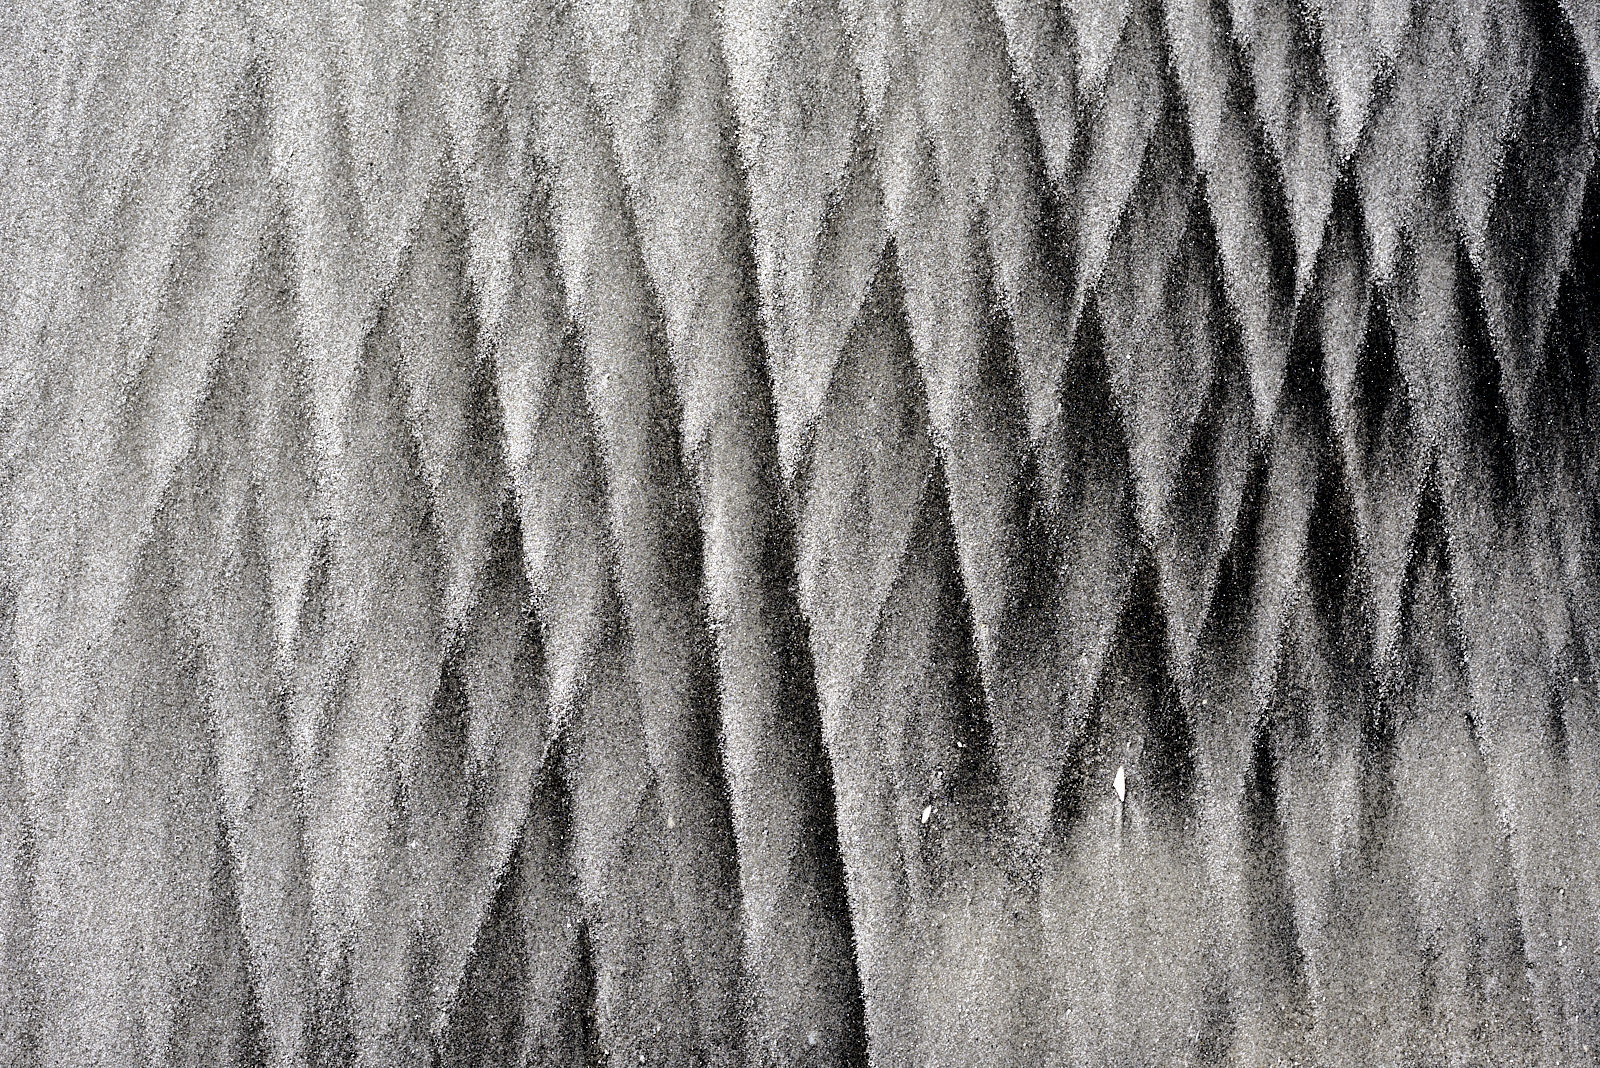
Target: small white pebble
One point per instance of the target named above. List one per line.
(811, 1038)
(927, 811)
(672, 822)
(1120, 784)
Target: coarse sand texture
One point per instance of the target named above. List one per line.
(578, 533)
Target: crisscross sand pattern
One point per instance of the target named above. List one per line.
(805, 532)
